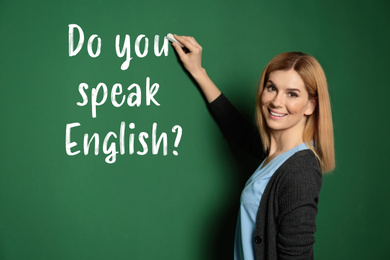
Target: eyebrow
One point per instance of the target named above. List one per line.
(293, 89)
(289, 89)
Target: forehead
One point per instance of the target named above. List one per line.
(287, 79)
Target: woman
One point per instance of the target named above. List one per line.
(279, 202)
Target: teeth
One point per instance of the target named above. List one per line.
(276, 114)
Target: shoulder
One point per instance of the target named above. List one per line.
(302, 160)
(302, 164)
(300, 175)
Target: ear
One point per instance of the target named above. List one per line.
(311, 107)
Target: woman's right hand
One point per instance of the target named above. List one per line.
(192, 60)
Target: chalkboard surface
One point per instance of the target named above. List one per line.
(108, 150)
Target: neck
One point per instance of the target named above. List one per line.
(283, 140)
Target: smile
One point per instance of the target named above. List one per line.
(274, 114)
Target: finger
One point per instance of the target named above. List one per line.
(185, 40)
(194, 42)
(179, 50)
(197, 48)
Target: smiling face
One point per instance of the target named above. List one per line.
(285, 102)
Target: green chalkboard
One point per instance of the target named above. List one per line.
(108, 150)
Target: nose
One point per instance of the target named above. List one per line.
(278, 100)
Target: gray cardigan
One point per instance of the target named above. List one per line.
(285, 223)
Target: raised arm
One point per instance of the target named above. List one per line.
(233, 125)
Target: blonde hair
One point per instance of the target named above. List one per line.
(319, 127)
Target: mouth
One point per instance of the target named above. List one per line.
(276, 115)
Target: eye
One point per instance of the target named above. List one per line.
(292, 94)
(271, 88)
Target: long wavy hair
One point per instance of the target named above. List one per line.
(319, 126)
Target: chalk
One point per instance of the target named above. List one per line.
(172, 39)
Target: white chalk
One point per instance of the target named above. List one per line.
(172, 39)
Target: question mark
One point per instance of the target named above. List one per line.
(178, 136)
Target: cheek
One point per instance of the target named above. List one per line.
(297, 106)
(263, 101)
(264, 98)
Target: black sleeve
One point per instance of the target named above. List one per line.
(298, 200)
(236, 128)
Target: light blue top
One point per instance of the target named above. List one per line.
(250, 201)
